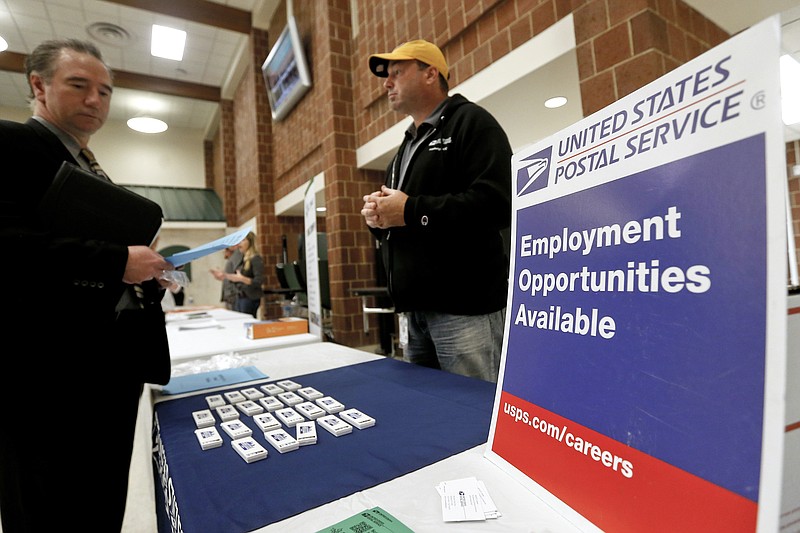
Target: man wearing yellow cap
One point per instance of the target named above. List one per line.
(439, 217)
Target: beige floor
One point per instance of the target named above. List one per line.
(140, 514)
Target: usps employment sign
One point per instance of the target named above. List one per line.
(312, 263)
(642, 379)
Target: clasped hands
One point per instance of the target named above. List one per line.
(385, 208)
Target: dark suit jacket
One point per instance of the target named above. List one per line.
(72, 351)
(79, 280)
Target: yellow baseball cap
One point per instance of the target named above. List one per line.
(419, 49)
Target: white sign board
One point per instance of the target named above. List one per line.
(312, 263)
(642, 380)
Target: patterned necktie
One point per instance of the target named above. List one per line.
(138, 292)
(93, 164)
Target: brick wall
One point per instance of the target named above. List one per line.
(625, 44)
(621, 45)
(209, 163)
(224, 161)
(246, 149)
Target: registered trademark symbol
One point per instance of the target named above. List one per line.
(758, 101)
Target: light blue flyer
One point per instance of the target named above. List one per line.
(181, 258)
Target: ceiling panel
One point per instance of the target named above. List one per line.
(123, 35)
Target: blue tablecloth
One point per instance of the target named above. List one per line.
(422, 415)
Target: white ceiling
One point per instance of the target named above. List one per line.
(123, 35)
(212, 54)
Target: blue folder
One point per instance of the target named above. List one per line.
(211, 379)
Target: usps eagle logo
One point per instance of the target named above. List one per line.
(532, 175)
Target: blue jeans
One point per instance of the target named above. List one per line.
(469, 345)
(246, 305)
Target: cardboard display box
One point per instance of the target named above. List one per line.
(277, 327)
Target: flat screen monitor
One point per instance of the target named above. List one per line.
(286, 72)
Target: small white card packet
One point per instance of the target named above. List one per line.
(249, 450)
(271, 403)
(466, 500)
(208, 438)
(272, 389)
(203, 418)
(288, 385)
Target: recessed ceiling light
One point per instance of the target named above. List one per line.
(147, 124)
(321, 209)
(3, 44)
(556, 101)
(167, 42)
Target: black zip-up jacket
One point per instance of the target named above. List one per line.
(450, 257)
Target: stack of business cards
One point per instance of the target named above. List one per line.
(290, 398)
(227, 412)
(310, 410)
(305, 433)
(249, 449)
(208, 438)
(281, 440)
(203, 419)
(235, 396)
(272, 389)
(252, 393)
(330, 405)
(309, 393)
(288, 385)
(465, 500)
(271, 403)
(266, 422)
(249, 407)
(357, 418)
(334, 425)
(289, 416)
(215, 400)
(236, 429)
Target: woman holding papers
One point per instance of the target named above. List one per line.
(229, 291)
(248, 277)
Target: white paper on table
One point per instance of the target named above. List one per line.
(206, 323)
(185, 316)
(465, 499)
(489, 507)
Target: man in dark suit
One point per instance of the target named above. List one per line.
(85, 314)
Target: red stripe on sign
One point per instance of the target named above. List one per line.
(613, 485)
